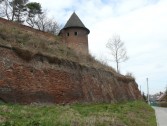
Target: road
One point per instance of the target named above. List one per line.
(161, 115)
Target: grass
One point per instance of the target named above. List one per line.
(21, 39)
(136, 113)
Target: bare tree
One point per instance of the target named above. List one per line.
(117, 49)
(13, 10)
(4, 9)
(32, 13)
(46, 24)
(166, 93)
(2, 14)
(42, 21)
(52, 26)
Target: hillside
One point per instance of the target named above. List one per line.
(37, 67)
(35, 42)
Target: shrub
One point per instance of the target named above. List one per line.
(129, 74)
(162, 104)
(24, 54)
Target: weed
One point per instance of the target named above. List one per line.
(136, 113)
(27, 41)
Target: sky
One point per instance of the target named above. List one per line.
(141, 24)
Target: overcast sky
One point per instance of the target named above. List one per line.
(141, 24)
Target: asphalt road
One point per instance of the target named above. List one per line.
(161, 115)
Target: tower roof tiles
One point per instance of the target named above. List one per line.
(74, 21)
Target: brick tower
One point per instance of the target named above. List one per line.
(75, 34)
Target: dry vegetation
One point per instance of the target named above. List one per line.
(27, 44)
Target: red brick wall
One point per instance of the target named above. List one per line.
(78, 42)
(38, 81)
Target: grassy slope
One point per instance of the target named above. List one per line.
(134, 113)
(36, 43)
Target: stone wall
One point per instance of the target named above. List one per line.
(59, 82)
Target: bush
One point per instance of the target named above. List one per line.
(129, 74)
(162, 104)
(24, 54)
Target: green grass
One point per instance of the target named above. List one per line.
(134, 113)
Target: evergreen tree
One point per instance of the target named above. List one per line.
(34, 10)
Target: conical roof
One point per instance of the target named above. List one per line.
(74, 21)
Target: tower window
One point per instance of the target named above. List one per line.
(75, 33)
(68, 34)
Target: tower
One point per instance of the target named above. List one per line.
(75, 34)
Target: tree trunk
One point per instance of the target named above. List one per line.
(117, 67)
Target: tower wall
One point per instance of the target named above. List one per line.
(76, 38)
